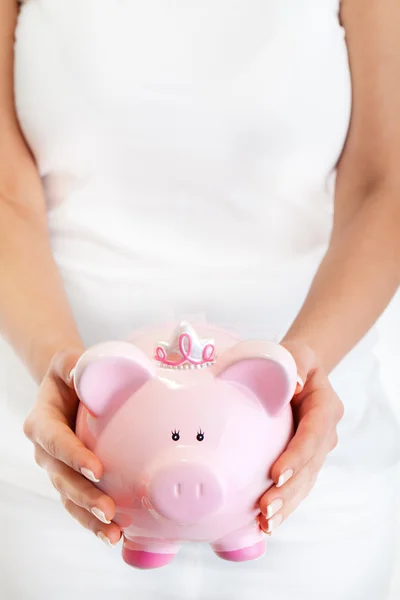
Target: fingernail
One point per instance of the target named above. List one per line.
(100, 515)
(274, 523)
(102, 536)
(273, 508)
(284, 477)
(264, 529)
(299, 385)
(89, 475)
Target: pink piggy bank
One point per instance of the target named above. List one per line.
(187, 431)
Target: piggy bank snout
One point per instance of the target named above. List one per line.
(185, 493)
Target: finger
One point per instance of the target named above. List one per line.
(299, 385)
(63, 363)
(306, 475)
(75, 487)
(278, 503)
(311, 434)
(111, 532)
(60, 442)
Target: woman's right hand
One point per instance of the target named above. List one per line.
(70, 465)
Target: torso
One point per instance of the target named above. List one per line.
(191, 144)
(188, 154)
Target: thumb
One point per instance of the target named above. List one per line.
(305, 361)
(63, 364)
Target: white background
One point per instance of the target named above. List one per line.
(389, 349)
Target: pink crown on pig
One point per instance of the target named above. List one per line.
(186, 350)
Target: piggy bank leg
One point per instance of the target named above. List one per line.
(148, 554)
(241, 545)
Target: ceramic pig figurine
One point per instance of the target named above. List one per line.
(187, 431)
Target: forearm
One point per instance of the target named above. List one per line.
(355, 282)
(35, 316)
(34, 313)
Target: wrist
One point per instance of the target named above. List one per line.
(305, 357)
(311, 343)
(298, 344)
(39, 359)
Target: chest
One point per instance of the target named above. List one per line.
(258, 83)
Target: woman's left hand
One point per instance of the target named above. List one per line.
(317, 410)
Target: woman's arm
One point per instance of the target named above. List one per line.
(361, 270)
(34, 312)
(35, 316)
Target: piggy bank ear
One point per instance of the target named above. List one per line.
(266, 369)
(110, 373)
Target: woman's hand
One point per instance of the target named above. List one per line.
(317, 411)
(69, 464)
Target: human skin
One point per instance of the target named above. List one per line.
(362, 262)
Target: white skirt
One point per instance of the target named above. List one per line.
(339, 545)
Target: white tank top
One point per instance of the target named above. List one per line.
(187, 148)
(187, 151)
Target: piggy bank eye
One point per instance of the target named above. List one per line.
(200, 436)
(175, 435)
